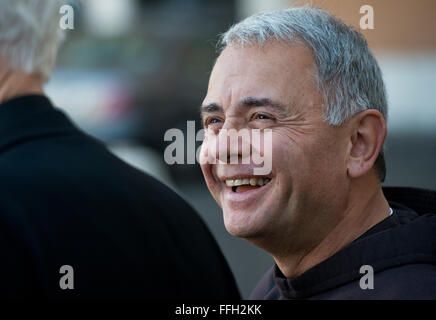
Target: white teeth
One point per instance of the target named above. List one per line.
(246, 181)
(230, 183)
(238, 182)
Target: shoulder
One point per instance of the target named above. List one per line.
(411, 281)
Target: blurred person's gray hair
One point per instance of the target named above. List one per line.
(30, 34)
(347, 75)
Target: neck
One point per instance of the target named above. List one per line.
(16, 83)
(364, 210)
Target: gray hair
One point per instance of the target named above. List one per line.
(347, 76)
(30, 34)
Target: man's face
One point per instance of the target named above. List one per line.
(273, 87)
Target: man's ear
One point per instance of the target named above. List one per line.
(368, 133)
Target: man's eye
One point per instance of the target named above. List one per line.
(261, 116)
(211, 121)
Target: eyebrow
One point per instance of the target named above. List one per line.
(211, 107)
(249, 102)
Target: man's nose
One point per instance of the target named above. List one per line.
(232, 143)
(223, 146)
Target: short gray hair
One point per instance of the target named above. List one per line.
(30, 34)
(348, 76)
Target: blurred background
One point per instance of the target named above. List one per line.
(132, 69)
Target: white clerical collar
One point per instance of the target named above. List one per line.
(391, 211)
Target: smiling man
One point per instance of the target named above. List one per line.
(311, 81)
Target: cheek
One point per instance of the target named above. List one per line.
(287, 154)
(329, 154)
(285, 164)
(319, 167)
(300, 161)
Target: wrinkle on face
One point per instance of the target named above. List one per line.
(303, 156)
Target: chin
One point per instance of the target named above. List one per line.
(242, 224)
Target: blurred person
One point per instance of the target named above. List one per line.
(321, 212)
(76, 222)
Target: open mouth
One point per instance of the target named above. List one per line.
(247, 184)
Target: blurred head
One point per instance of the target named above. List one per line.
(313, 82)
(29, 35)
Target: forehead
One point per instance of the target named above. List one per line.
(276, 70)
